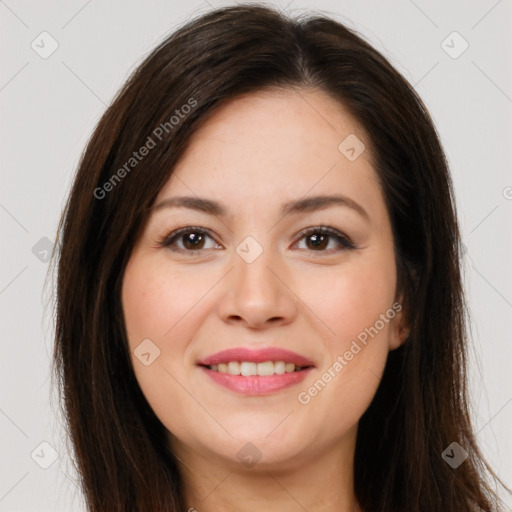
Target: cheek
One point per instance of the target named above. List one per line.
(350, 303)
(350, 298)
(154, 310)
(155, 307)
(156, 301)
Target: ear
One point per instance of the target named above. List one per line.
(399, 327)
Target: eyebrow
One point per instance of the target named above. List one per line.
(307, 204)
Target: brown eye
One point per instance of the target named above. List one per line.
(318, 239)
(190, 239)
(193, 240)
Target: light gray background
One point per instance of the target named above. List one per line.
(49, 108)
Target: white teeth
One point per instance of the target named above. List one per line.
(234, 368)
(247, 368)
(279, 367)
(266, 368)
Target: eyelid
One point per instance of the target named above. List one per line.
(166, 240)
(344, 240)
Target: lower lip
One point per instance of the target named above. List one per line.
(256, 384)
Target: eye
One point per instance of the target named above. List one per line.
(192, 238)
(319, 238)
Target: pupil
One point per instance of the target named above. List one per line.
(319, 240)
(193, 240)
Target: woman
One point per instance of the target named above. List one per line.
(259, 299)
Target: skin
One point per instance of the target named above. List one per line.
(252, 155)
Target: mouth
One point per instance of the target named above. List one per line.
(256, 372)
(249, 368)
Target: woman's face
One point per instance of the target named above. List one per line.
(259, 278)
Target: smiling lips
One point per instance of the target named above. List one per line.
(256, 372)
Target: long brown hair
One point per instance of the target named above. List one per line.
(421, 405)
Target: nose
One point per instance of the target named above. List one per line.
(257, 294)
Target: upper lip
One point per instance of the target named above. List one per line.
(256, 356)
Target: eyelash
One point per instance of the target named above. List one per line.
(168, 240)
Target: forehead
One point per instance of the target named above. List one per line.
(272, 145)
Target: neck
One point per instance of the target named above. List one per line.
(316, 482)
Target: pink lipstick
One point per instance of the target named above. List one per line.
(256, 372)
